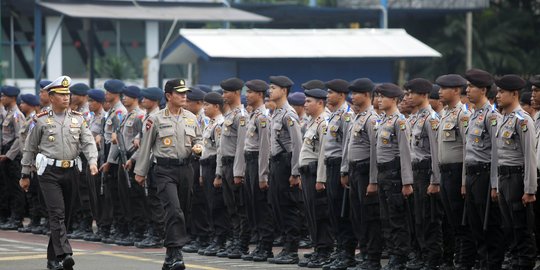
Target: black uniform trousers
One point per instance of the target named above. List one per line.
(490, 243)
(82, 206)
(105, 188)
(59, 187)
(428, 215)
(464, 247)
(219, 219)
(259, 202)
(395, 209)
(285, 200)
(172, 177)
(131, 202)
(317, 209)
(153, 209)
(36, 205)
(199, 212)
(518, 217)
(235, 198)
(365, 211)
(339, 217)
(14, 200)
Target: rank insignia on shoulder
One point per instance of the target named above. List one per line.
(41, 114)
(493, 120)
(290, 122)
(465, 121)
(434, 123)
(524, 126)
(190, 121)
(402, 124)
(242, 121)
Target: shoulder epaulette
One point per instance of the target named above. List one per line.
(41, 114)
(76, 113)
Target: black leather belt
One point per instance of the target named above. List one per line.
(227, 160)
(422, 165)
(449, 167)
(332, 161)
(391, 165)
(506, 170)
(208, 161)
(477, 168)
(251, 155)
(280, 156)
(359, 163)
(172, 161)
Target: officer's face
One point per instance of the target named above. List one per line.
(276, 92)
(25, 108)
(43, 97)
(252, 97)
(210, 110)
(334, 97)
(128, 101)
(148, 104)
(447, 95)
(417, 99)
(505, 98)
(359, 99)
(386, 103)
(178, 99)
(229, 97)
(110, 97)
(475, 93)
(311, 106)
(93, 105)
(77, 100)
(60, 101)
(535, 98)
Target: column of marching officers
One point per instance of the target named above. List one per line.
(436, 175)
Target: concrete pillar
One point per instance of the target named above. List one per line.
(152, 51)
(54, 61)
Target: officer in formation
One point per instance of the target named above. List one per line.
(204, 175)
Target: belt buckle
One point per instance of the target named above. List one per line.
(65, 164)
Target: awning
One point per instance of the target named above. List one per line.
(307, 43)
(160, 13)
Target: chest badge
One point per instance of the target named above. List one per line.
(167, 141)
(51, 139)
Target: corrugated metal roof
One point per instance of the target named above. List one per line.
(315, 43)
(169, 13)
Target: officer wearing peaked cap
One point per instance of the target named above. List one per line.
(517, 170)
(53, 146)
(10, 157)
(451, 141)
(172, 136)
(481, 161)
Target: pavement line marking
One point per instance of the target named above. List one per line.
(131, 257)
(30, 257)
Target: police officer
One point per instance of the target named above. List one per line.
(10, 158)
(284, 192)
(481, 180)
(79, 98)
(231, 176)
(198, 215)
(517, 170)
(359, 160)
(426, 174)
(153, 209)
(535, 103)
(257, 154)
(171, 135)
(297, 100)
(219, 219)
(44, 100)
(57, 138)
(451, 139)
(337, 181)
(29, 106)
(114, 89)
(394, 176)
(313, 179)
(434, 99)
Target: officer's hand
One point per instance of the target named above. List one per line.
(238, 180)
(105, 167)
(24, 183)
(294, 181)
(345, 181)
(494, 195)
(3, 158)
(128, 165)
(98, 139)
(463, 191)
(140, 179)
(371, 189)
(136, 143)
(200, 181)
(528, 198)
(407, 191)
(433, 189)
(263, 185)
(114, 139)
(218, 182)
(93, 169)
(319, 186)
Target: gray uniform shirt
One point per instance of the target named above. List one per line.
(11, 127)
(515, 145)
(285, 135)
(313, 143)
(130, 128)
(481, 144)
(96, 122)
(361, 143)
(536, 119)
(210, 138)
(62, 140)
(337, 132)
(233, 134)
(393, 141)
(25, 129)
(258, 139)
(424, 140)
(167, 136)
(112, 121)
(144, 127)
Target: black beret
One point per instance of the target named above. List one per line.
(297, 99)
(10, 91)
(232, 84)
(451, 81)
(257, 85)
(525, 97)
(213, 98)
(434, 92)
(479, 78)
(281, 81)
(30, 99)
(313, 84)
(389, 90)
(177, 85)
(152, 93)
(511, 82)
(316, 93)
(79, 89)
(96, 95)
(205, 88)
(195, 94)
(362, 85)
(419, 85)
(535, 80)
(338, 85)
(132, 91)
(44, 83)
(114, 86)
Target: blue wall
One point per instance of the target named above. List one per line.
(299, 70)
